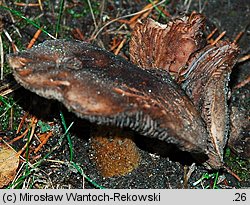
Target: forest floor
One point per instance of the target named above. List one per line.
(107, 24)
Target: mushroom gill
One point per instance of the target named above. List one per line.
(169, 46)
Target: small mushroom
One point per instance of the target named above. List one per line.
(106, 89)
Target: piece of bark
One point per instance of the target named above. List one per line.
(168, 47)
(206, 83)
(106, 89)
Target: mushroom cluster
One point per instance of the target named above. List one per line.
(175, 89)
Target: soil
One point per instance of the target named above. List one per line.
(158, 168)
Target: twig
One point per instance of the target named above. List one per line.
(1, 57)
(92, 14)
(33, 126)
(115, 43)
(33, 40)
(134, 18)
(188, 5)
(232, 173)
(26, 5)
(44, 141)
(142, 16)
(201, 8)
(20, 136)
(120, 46)
(244, 58)
(9, 90)
(218, 38)
(122, 17)
(239, 35)
(11, 118)
(242, 83)
(123, 21)
(187, 174)
(40, 4)
(78, 34)
(21, 122)
(15, 49)
(211, 34)
(164, 11)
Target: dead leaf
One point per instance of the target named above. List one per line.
(9, 161)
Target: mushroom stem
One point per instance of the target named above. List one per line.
(114, 151)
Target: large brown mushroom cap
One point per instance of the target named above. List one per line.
(103, 88)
